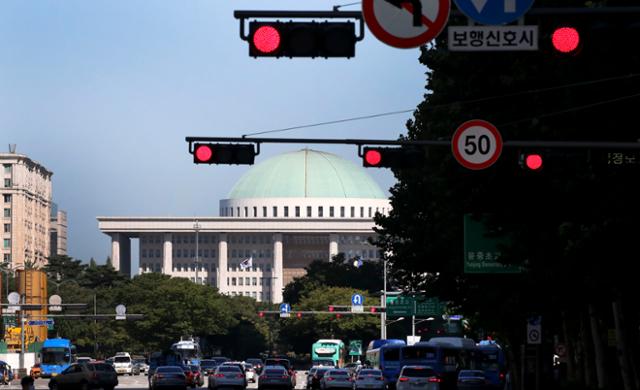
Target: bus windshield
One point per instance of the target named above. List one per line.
(56, 355)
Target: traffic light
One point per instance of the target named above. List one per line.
(299, 315)
(237, 154)
(302, 39)
(331, 308)
(373, 309)
(261, 314)
(532, 161)
(566, 39)
(388, 157)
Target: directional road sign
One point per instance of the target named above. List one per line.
(357, 300)
(40, 322)
(355, 348)
(494, 11)
(406, 23)
(285, 310)
(476, 144)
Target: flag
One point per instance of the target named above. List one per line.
(246, 263)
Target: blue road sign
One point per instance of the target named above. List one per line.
(494, 11)
(40, 322)
(357, 300)
(285, 308)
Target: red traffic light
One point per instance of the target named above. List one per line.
(261, 314)
(266, 39)
(565, 39)
(338, 316)
(372, 157)
(533, 161)
(331, 308)
(299, 315)
(373, 309)
(202, 154)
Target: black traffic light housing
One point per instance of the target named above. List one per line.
(391, 157)
(237, 154)
(302, 39)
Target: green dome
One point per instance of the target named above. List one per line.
(306, 174)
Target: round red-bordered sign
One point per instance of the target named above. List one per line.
(476, 144)
(393, 24)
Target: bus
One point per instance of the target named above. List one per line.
(326, 351)
(446, 355)
(385, 355)
(56, 356)
(493, 363)
(189, 350)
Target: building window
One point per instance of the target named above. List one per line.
(353, 212)
(341, 211)
(320, 211)
(247, 280)
(7, 257)
(7, 168)
(246, 212)
(7, 243)
(7, 183)
(7, 228)
(297, 211)
(275, 211)
(241, 281)
(238, 211)
(286, 211)
(264, 211)
(369, 212)
(158, 253)
(255, 211)
(254, 281)
(361, 212)
(233, 253)
(233, 281)
(260, 281)
(206, 253)
(7, 213)
(144, 252)
(7, 198)
(193, 239)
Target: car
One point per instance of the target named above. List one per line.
(141, 362)
(208, 366)
(336, 378)
(168, 377)
(471, 379)
(250, 372)
(418, 377)
(219, 360)
(227, 375)
(284, 363)
(36, 371)
(310, 375)
(274, 376)
(317, 376)
(85, 376)
(257, 364)
(123, 364)
(194, 376)
(369, 379)
(234, 363)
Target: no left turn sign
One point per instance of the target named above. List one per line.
(406, 23)
(476, 144)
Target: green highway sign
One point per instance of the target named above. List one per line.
(401, 306)
(355, 348)
(481, 251)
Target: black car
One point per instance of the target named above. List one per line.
(85, 376)
(208, 366)
(258, 364)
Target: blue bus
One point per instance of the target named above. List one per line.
(385, 355)
(55, 356)
(493, 363)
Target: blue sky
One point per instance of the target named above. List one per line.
(103, 92)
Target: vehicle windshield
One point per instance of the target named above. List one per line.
(418, 372)
(207, 363)
(56, 356)
(122, 359)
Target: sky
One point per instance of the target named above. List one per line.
(104, 92)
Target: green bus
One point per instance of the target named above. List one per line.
(326, 352)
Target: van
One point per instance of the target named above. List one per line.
(122, 363)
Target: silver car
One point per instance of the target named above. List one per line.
(369, 379)
(336, 379)
(418, 378)
(310, 375)
(274, 376)
(227, 376)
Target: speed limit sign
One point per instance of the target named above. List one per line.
(476, 144)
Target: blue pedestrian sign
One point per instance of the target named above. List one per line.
(494, 11)
(285, 308)
(357, 300)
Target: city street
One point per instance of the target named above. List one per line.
(140, 382)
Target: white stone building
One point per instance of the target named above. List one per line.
(283, 213)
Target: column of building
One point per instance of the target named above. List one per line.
(278, 274)
(333, 246)
(222, 263)
(115, 251)
(167, 254)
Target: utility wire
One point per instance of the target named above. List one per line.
(572, 109)
(445, 105)
(337, 7)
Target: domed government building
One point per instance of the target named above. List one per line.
(282, 214)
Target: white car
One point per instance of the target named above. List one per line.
(250, 373)
(122, 364)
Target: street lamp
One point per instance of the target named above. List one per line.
(414, 323)
(196, 227)
(396, 320)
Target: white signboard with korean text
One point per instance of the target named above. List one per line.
(493, 38)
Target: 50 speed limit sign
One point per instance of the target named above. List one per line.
(476, 144)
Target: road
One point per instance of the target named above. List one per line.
(140, 382)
